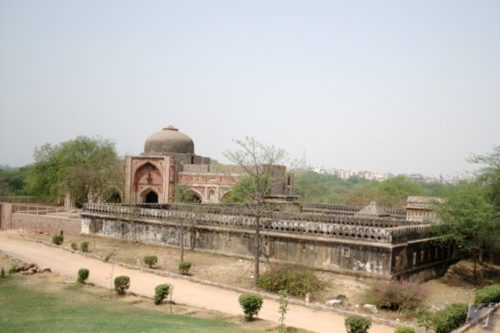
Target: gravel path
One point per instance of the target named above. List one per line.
(185, 292)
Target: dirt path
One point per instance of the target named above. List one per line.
(186, 292)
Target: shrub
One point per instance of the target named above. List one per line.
(58, 239)
(85, 246)
(450, 318)
(184, 267)
(122, 283)
(74, 246)
(251, 304)
(489, 294)
(396, 295)
(150, 260)
(404, 329)
(357, 324)
(161, 292)
(108, 256)
(83, 275)
(295, 279)
(13, 269)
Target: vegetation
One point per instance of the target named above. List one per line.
(150, 260)
(251, 305)
(83, 275)
(396, 295)
(2, 273)
(469, 223)
(258, 162)
(12, 181)
(357, 324)
(313, 187)
(404, 329)
(161, 292)
(58, 239)
(450, 318)
(122, 283)
(83, 167)
(184, 267)
(85, 246)
(471, 213)
(489, 294)
(33, 305)
(74, 246)
(184, 194)
(283, 308)
(295, 279)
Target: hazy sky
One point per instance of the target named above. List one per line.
(400, 86)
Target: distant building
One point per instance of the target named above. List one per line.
(420, 208)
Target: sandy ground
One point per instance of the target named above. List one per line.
(185, 292)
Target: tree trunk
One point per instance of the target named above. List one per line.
(182, 242)
(257, 244)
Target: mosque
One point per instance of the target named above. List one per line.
(169, 161)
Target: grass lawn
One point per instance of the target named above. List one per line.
(36, 304)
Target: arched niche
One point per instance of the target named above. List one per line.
(147, 174)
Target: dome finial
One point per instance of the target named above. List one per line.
(170, 128)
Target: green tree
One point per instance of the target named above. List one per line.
(468, 221)
(394, 192)
(489, 174)
(84, 167)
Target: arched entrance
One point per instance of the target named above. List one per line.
(151, 197)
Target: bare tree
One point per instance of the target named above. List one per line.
(259, 163)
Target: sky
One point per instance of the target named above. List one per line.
(392, 86)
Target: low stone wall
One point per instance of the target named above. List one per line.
(46, 223)
(320, 252)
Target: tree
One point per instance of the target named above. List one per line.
(489, 174)
(468, 221)
(84, 167)
(258, 162)
(394, 192)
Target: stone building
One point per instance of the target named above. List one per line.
(169, 161)
(365, 241)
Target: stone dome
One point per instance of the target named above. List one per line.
(168, 140)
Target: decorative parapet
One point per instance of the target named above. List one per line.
(396, 213)
(348, 228)
(407, 233)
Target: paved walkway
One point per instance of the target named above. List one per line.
(185, 292)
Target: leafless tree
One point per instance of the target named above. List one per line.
(258, 161)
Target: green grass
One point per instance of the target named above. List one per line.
(28, 307)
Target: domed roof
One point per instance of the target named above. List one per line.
(168, 140)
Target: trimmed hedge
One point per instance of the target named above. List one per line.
(58, 239)
(184, 267)
(450, 318)
(489, 294)
(83, 275)
(161, 292)
(250, 304)
(122, 283)
(150, 260)
(357, 324)
(85, 246)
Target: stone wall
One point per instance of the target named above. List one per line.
(365, 246)
(5, 216)
(45, 223)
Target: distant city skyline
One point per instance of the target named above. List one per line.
(386, 86)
